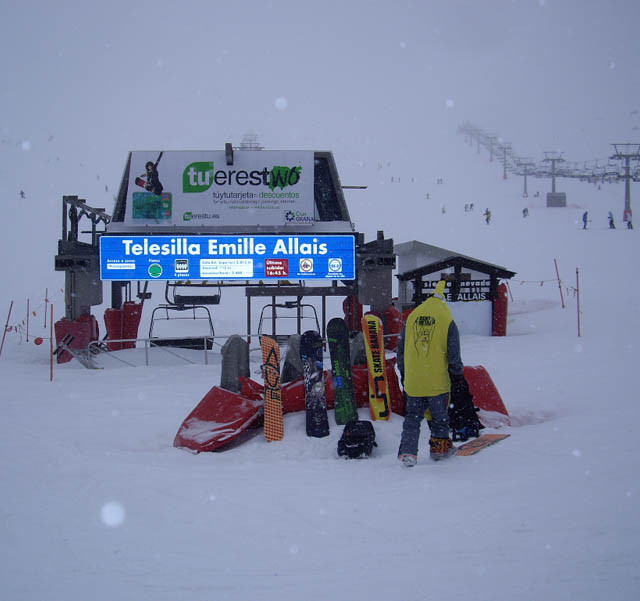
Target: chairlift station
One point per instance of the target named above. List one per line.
(273, 222)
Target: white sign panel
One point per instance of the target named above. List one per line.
(197, 187)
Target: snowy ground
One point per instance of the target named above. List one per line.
(97, 504)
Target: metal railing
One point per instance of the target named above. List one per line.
(98, 348)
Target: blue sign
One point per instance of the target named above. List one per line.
(227, 257)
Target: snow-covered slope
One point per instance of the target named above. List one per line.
(98, 504)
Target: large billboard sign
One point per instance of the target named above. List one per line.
(227, 257)
(197, 188)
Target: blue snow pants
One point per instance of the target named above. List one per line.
(414, 413)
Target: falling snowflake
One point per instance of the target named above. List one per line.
(112, 514)
(26, 145)
(281, 103)
(450, 103)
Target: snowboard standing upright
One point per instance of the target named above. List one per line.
(378, 385)
(345, 404)
(315, 400)
(273, 421)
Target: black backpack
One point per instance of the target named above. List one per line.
(357, 440)
(463, 414)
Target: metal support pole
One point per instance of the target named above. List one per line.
(248, 320)
(578, 298)
(273, 317)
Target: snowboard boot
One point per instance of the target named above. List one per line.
(407, 459)
(465, 433)
(441, 448)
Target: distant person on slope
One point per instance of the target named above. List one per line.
(612, 225)
(585, 219)
(428, 359)
(487, 215)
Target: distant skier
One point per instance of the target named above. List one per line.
(629, 224)
(22, 194)
(487, 215)
(585, 219)
(525, 212)
(612, 225)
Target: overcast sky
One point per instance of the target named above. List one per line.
(351, 76)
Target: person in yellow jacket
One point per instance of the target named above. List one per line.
(428, 357)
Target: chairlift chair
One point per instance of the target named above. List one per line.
(299, 316)
(182, 303)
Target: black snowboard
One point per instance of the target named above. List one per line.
(315, 400)
(345, 404)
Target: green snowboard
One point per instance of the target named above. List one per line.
(345, 404)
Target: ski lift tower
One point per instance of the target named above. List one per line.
(626, 152)
(555, 199)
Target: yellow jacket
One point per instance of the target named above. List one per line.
(426, 359)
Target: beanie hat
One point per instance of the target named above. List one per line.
(439, 291)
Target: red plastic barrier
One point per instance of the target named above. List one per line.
(500, 304)
(122, 324)
(94, 333)
(393, 323)
(131, 314)
(293, 395)
(219, 418)
(113, 324)
(484, 391)
(83, 330)
(352, 313)
(360, 375)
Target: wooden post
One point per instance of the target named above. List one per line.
(46, 301)
(578, 298)
(559, 284)
(6, 325)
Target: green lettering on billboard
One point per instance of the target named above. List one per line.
(281, 177)
(197, 177)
